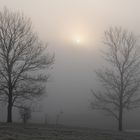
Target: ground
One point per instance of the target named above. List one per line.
(51, 132)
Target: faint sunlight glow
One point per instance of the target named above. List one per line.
(78, 41)
(79, 35)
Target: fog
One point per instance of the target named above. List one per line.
(60, 23)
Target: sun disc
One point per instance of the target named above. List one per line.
(78, 41)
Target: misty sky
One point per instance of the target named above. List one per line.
(61, 23)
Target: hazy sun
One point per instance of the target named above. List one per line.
(77, 41)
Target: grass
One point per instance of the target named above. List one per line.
(51, 132)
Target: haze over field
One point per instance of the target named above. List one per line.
(73, 30)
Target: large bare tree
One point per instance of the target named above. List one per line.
(22, 60)
(120, 79)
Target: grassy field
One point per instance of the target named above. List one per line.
(50, 132)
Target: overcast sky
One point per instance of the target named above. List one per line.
(73, 30)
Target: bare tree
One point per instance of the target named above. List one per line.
(25, 113)
(22, 60)
(121, 79)
(58, 117)
(45, 118)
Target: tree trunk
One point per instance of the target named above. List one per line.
(120, 127)
(10, 97)
(9, 108)
(9, 113)
(120, 120)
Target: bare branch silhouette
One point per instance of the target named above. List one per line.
(121, 80)
(22, 59)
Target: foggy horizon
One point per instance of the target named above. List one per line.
(73, 31)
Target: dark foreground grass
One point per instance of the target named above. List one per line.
(51, 132)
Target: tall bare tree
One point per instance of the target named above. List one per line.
(121, 78)
(22, 60)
